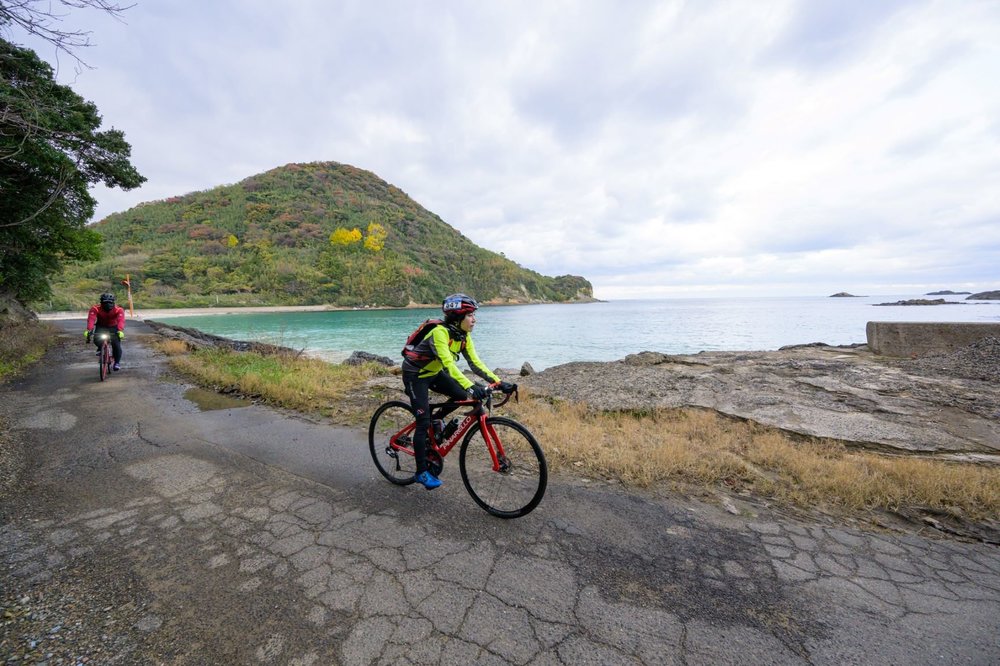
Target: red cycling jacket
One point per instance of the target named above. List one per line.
(98, 316)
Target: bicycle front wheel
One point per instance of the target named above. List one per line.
(390, 439)
(105, 360)
(517, 487)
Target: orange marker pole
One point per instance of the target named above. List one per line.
(128, 287)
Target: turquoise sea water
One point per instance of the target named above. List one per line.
(547, 335)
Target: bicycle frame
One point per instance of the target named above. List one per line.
(478, 414)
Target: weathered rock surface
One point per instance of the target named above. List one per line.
(13, 311)
(947, 405)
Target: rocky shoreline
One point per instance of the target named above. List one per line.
(946, 406)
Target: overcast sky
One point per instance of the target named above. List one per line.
(657, 148)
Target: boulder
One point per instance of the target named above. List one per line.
(13, 311)
(645, 358)
(361, 357)
(526, 369)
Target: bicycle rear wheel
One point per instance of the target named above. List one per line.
(518, 486)
(393, 421)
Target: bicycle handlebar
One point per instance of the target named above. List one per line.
(490, 390)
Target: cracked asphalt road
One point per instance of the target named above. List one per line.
(145, 530)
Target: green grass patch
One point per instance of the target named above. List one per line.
(294, 382)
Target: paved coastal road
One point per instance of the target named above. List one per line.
(150, 531)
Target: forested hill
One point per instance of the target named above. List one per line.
(319, 233)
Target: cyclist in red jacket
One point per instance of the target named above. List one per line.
(110, 318)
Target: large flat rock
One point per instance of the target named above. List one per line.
(947, 404)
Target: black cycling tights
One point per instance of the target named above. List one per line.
(418, 389)
(116, 344)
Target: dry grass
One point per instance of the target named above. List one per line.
(21, 344)
(171, 347)
(701, 446)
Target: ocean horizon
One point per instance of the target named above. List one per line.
(553, 334)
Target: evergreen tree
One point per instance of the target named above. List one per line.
(51, 152)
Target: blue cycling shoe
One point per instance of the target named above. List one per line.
(429, 481)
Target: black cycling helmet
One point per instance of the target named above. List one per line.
(459, 305)
(108, 300)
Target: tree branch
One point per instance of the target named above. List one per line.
(37, 18)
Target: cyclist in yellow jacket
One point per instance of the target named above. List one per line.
(431, 365)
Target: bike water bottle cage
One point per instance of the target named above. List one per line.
(449, 429)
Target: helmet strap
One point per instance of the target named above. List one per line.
(455, 327)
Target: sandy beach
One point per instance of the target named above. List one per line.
(187, 312)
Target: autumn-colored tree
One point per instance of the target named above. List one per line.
(375, 238)
(257, 213)
(342, 236)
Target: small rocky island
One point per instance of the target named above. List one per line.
(947, 292)
(985, 296)
(921, 301)
(844, 294)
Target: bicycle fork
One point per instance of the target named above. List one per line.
(495, 447)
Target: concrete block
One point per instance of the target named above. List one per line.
(912, 338)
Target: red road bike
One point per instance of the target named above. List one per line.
(502, 465)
